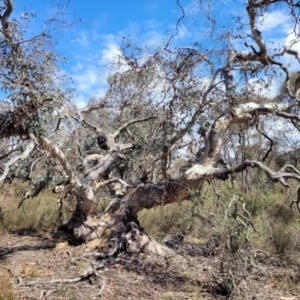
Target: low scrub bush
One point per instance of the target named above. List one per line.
(219, 212)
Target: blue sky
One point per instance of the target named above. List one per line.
(92, 44)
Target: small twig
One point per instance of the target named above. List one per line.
(268, 138)
(102, 287)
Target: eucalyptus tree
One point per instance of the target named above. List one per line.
(156, 105)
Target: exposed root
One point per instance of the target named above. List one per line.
(132, 240)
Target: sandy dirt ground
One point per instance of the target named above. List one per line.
(194, 273)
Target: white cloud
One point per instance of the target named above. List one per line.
(151, 7)
(82, 99)
(82, 40)
(79, 67)
(94, 66)
(290, 60)
(100, 55)
(290, 40)
(263, 88)
(87, 79)
(151, 24)
(111, 54)
(276, 19)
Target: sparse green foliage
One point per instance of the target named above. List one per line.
(261, 219)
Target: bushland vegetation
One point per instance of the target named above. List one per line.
(181, 147)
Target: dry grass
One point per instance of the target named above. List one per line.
(210, 217)
(207, 216)
(6, 289)
(163, 220)
(36, 215)
(288, 284)
(29, 272)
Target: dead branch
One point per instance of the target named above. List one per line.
(93, 270)
(10, 152)
(112, 180)
(44, 143)
(90, 108)
(86, 274)
(124, 126)
(16, 158)
(283, 169)
(268, 138)
(280, 176)
(261, 54)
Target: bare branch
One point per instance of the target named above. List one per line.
(288, 49)
(10, 152)
(90, 108)
(112, 180)
(126, 146)
(59, 155)
(280, 176)
(268, 138)
(256, 33)
(16, 158)
(283, 169)
(287, 115)
(181, 18)
(123, 127)
(104, 164)
(87, 273)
